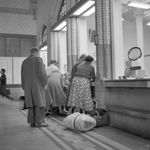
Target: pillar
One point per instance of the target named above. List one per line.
(54, 46)
(103, 48)
(139, 31)
(118, 49)
(72, 51)
(74, 40)
(62, 50)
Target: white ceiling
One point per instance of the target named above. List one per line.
(128, 12)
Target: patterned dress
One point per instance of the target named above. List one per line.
(80, 94)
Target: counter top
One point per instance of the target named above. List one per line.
(131, 83)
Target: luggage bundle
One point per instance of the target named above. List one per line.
(85, 122)
(22, 104)
(79, 122)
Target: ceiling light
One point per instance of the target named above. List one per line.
(122, 19)
(148, 23)
(87, 5)
(43, 48)
(64, 29)
(60, 26)
(138, 5)
(89, 12)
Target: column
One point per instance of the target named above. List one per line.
(48, 44)
(103, 48)
(72, 50)
(56, 50)
(139, 31)
(62, 50)
(69, 51)
(118, 49)
(52, 45)
(74, 43)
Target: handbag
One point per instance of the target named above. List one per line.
(102, 119)
(8, 92)
(22, 104)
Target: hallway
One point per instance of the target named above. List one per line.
(16, 134)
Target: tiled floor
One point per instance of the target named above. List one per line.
(16, 134)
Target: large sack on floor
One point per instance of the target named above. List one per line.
(79, 122)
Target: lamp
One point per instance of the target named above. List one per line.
(34, 5)
(60, 26)
(148, 23)
(43, 48)
(89, 12)
(64, 29)
(138, 5)
(83, 8)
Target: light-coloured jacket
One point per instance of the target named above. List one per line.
(50, 69)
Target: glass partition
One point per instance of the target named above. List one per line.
(131, 29)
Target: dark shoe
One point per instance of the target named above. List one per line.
(32, 124)
(41, 125)
(47, 113)
(64, 112)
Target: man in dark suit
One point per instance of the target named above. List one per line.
(34, 84)
(3, 91)
(3, 83)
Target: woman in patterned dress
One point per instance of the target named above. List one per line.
(80, 92)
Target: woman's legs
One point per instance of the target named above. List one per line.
(62, 109)
(70, 111)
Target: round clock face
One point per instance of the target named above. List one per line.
(134, 53)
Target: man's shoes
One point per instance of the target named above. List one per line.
(41, 125)
(32, 124)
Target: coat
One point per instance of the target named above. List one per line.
(33, 80)
(55, 92)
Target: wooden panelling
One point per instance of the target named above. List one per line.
(26, 45)
(2, 46)
(12, 46)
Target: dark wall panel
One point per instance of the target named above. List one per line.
(26, 45)
(2, 46)
(12, 46)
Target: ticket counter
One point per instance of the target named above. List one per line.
(128, 102)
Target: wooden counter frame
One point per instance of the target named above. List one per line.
(128, 83)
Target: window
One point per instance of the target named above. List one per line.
(62, 10)
(44, 34)
(130, 29)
